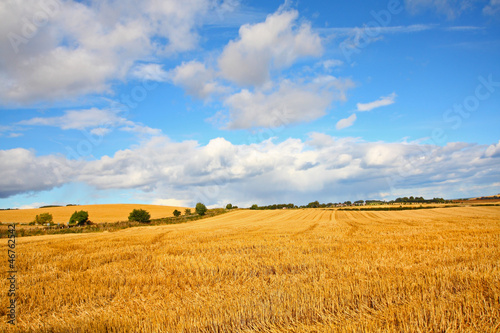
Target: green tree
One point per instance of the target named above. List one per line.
(201, 209)
(177, 213)
(79, 218)
(254, 206)
(229, 206)
(187, 211)
(139, 215)
(314, 204)
(43, 218)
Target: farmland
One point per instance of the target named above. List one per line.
(97, 213)
(307, 270)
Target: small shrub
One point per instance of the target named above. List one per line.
(177, 213)
(187, 211)
(43, 218)
(229, 206)
(201, 209)
(139, 215)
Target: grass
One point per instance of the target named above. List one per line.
(305, 270)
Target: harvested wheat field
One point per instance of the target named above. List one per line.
(309, 270)
(97, 213)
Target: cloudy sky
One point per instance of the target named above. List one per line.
(218, 101)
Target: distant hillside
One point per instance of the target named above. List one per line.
(491, 197)
(97, 213)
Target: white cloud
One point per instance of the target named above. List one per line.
(493, 150)
(287, 104)
(32, 205)
(140, 129)
(382, 101)
(100, 131)
(79, 119)
(493, 8)
(274, 44)
(171, 202)
(81, 47)
(463, 28)
(151, 72)
(196, 79)
(450, 8)
(99, 121)
(331, 63)
(374, 31)
(347, 122)
(23, 172)
(294, 170)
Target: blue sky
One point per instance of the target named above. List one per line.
(175, 102)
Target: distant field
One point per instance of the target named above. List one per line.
(308, 270)
(97, 213)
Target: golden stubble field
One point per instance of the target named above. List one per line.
(97, 213)
(308, 270)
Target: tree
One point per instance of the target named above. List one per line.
(229, 206)
(79, 218)
(43, 218)
(254, 206)
(139, 215)
(187, 211)
(177, 213)
(201, 209)
(314, 204)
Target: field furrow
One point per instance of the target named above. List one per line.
(297, 270)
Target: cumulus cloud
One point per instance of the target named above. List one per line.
(60, 50)
(382, 101)
(346, 122)
(274, 44)
(493, 150)
(21, 171)
(198, 80)
(293, 170)
(288, 103)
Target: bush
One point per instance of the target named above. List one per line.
(201, 209)
(43, 218)
(229, 206)
(80, 218)
(177, 213)
(187, 211)
(139, 215)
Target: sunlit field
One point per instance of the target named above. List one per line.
(97, 213)
(307, 270)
